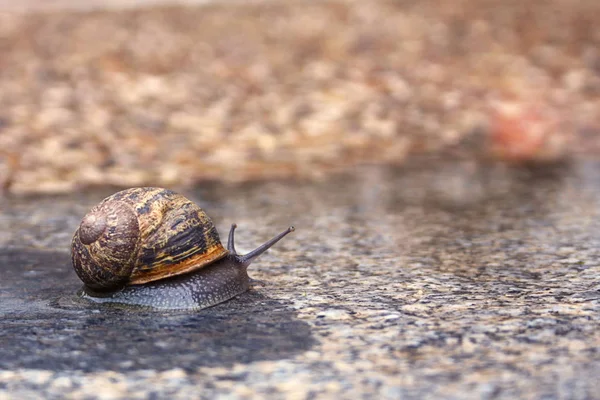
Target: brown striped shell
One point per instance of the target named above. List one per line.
(141, 235)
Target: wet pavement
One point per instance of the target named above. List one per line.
(435, 279)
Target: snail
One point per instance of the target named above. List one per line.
(152, 247)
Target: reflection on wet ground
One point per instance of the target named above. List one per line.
(45, 325)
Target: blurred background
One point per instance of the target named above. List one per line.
(127, 92)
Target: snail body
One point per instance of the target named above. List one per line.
(155, 248)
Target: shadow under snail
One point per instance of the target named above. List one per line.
(155, 248)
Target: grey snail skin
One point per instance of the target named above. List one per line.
(152, 247)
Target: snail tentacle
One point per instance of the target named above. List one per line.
(246, 259)
(231, 240)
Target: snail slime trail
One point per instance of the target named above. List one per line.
(152, 247)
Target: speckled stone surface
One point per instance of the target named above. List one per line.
(436, 280)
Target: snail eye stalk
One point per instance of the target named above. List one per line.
(246, 259)
(231, 241)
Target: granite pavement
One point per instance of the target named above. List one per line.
(433, 280)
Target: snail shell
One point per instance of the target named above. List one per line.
(142, 235)
(154, 247)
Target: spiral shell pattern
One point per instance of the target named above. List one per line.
(142, 235)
